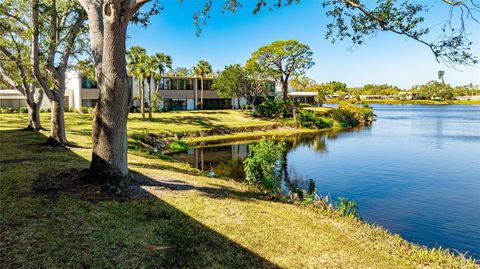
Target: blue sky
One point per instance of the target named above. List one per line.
(231, 38)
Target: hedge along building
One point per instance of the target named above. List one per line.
(172, 93)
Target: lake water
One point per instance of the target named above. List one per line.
(416, 171)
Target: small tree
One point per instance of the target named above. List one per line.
(230, 82)
(15, 67)
(263, 165)
(256, 84)
(282, 60)
(64, 23)
(202, 69)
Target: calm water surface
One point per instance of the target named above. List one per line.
(416, 171)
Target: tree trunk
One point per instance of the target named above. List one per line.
(254, 109)
(109, 152)
(149, 80)
(201, 93)
(34, 116)
(34, 102)
(285, 89)
(57, 129)
(138, 90)
(155, 96)
(142, 99)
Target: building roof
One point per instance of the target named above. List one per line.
(302, 94)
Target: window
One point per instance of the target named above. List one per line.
(175, 104)
(166, 84)
(207, 85)
(218, 103)
(189, 84)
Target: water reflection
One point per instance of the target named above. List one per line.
(227, 160)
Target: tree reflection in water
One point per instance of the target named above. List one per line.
(227, 160)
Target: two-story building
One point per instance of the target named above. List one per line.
(172, 93)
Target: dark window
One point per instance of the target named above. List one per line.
(218, 103)
(175, 104)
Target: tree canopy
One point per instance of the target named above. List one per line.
(282, 60)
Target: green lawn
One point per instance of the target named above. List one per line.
(180, 218)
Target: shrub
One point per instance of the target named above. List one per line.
(83, 110)
(350, 115)
(23, 109)
(345, 117)
(6, 110)
(263, 165)
(275, 108)
(308, 119)
(347, 207)
(178, 145)
(90, 110)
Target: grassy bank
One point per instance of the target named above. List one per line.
(416, 102)
(178, 218)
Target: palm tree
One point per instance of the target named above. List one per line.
(135, 58)
(162, 63)
(441, 75)
(149, 66)
(202, 69)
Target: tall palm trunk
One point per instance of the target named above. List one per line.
(142, 99)
(201, 92)
(149, 81)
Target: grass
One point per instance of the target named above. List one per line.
(186, 220)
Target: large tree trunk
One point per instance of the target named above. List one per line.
(149, 80)
(109, 152)
(57, 129)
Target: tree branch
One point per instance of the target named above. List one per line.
(34, 56)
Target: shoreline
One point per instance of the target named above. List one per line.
(415, 102)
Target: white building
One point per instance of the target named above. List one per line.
(175, 93)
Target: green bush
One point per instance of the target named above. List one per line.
(347, 207)
(23, 109)
(308, 119)
(6, 110)
(263, 165)
(276, 108)
(83, 109)
(178, 145)
(350, 115)
(345, 117)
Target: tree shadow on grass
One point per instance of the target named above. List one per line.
(68, 222)
(200, 121)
